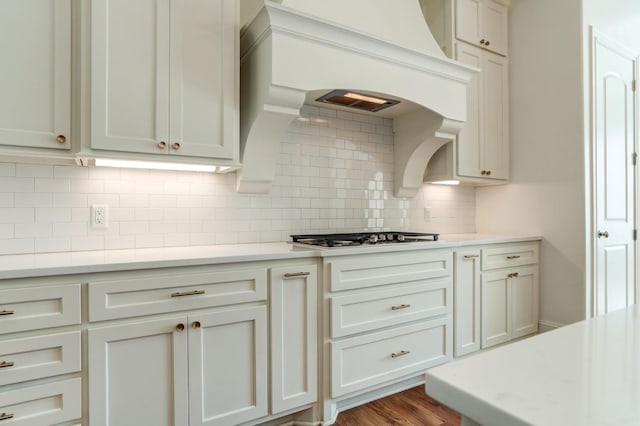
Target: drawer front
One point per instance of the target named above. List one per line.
(389, 268)
(363, 361)
(36, 357)
(366, 311)
(505, 257)
(174, 292)
(47, 404)
(33, 308)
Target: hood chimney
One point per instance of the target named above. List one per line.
(298, 51)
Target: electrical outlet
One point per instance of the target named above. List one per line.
(427, 214)
(99, 216)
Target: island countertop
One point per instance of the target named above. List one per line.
(587, 373)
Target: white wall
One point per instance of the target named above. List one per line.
(546, 196)
(334, 173)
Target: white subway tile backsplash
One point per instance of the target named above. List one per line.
(334, 173)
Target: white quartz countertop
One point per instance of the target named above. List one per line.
(37, 265)
(584, 374)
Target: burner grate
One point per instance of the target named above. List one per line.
(359, 238)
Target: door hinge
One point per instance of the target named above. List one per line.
(634, 158)
(635, 234)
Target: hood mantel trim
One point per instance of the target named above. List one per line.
(286, 53)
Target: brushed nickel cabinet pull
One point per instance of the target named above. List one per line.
(296, 274)
(401, 353)
(513, 257)
(471, 256)
(403, 306)
(187, 293)
(6, 416)
(4, 364)
(6, 312)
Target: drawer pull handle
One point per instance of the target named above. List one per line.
(4, 364)
(296, 274)
(403, 306)
(515, 274)
(513, 257)
(401, 353)
(471, 256)
(6, 416)
(187, 293)
(5, 312)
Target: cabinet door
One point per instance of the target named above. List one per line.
(468, 26)
(494, 22)
(35, 105)
(483, 23)
(130, 75)
(496, 308)
(470, 138)
(524, 296)
(467, 302)
(138, 374)
(228, 366)
(294, 336)
(495, 130)
(204, 100)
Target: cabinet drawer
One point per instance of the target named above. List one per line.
(389, 268)
(36, 357)
(365, 311)
(363, 361)
(131, 297)
(47, 404)
(505, 257)
(33, 308)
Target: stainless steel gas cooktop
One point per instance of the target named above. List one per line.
(359, 238)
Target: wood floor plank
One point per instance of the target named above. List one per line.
(412, 407)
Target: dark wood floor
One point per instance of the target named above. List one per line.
(412, 407)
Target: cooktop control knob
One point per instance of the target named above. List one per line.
(382, 237)
(373, 238)
(400, 237)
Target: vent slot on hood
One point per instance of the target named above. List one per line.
(360, 101)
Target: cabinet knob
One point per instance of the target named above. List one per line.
(482, 41)
(61, 138)
(488, 172)
(486, 43)
(483, 172)
(180, 327)
(175, 146)
(162, 144)
(196, 324)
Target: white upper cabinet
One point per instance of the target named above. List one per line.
(482, 23)
(35, 88)
(164, 77)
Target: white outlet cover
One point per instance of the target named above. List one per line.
(99, 216)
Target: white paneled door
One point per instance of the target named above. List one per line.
(614, 180)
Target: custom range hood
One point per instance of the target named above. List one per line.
(299, 51)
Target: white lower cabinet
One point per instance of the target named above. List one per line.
(294, 339)
(201, 369)
(509, 296)
(467, 302)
